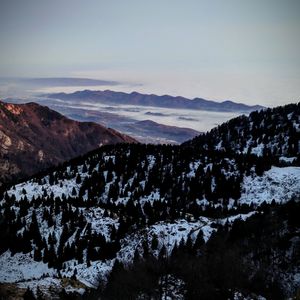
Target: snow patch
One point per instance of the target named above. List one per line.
(280, 184)
(20, 267)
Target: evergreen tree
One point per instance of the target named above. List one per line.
(154, 242)
(29, 295)
(199, 242)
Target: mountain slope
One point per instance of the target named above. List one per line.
(159, 207)
(146, 131)
(134, 98)
(271, 132)
(34, 137)
(151, 132)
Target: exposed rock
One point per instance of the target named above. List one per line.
(34, 137)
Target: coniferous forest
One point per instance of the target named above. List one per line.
(203, 220)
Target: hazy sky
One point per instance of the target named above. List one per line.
(247, 51)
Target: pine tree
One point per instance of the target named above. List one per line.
(154, 242)
(78, 179)
(37, 256)
(34, 232)
(74, 274)
(145, 249)
(74, 193)
(136, 256)
(162, 253)
(29, 295)
(189, 245)
(39, 294)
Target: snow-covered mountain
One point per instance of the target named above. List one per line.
(266, 132)
(149, 206)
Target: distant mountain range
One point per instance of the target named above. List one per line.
(145, 131)
(134, 98)
(34, 137)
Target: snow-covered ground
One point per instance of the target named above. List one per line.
(287, 160)
(169, 234)
(35, 189)
(22, 267)
(89, 276)
(280, 184)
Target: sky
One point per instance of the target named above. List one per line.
(246, 51)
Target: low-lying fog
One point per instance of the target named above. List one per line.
(195, 119)
(28, 90)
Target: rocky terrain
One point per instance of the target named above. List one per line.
(34, 137)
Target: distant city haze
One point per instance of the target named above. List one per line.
(245, 51)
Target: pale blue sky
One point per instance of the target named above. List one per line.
(244, 50)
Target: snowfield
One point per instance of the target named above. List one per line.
(34, 189)
(25, 272)
(280, 184)
(89, 276)
(21, 267)
(168, 235)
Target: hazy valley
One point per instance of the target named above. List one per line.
(177, 119)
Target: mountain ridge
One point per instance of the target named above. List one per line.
(34, 137)
(256, 133)
(135, 98)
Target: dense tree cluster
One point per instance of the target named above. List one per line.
(122, 180)
(275, 130)
(131, 186)
(252, 258)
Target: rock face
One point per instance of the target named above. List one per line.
(34, 137)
